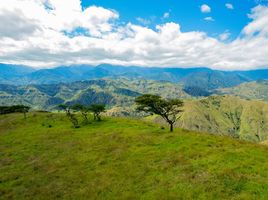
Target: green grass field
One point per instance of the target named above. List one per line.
(43, 157)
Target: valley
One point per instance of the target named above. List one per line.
(236, 114)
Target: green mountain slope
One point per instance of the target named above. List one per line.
(221, 115)
(124, 159)
(251, 90)
(227, 115)
(209, 80)
(119, 92)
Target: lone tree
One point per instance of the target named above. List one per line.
(154, 104)
(83, 109)
(69, 114)
(97, 109)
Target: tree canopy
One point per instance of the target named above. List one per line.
(97, 109)
(154, 104)
(83, 109)
(14, 109)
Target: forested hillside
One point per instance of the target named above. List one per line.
(119, 92)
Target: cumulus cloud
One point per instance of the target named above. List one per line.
(259, 25)
(225, 35)
(209, 19)
(229, 6)
(59, 33)
(166, 15)
(205, 8)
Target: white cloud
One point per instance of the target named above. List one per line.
(40, 39)
(205, 8)
(259, 25)
(96, 20)
(229, 6)
(209, 19)
(143, 21)
(166, 15)
(225, 35)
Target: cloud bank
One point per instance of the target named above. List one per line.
(44, 33)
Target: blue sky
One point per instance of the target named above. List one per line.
(185, 12)
(219, 34)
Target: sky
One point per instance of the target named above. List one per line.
(219, 34)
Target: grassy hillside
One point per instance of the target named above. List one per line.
(251, 90)
(226, 115)
(265, 142)
(44, 158)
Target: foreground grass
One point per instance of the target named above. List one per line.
(44, 158)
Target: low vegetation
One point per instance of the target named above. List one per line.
(44, 157)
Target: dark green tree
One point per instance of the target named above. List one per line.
(97, 109)
(69, 114)
(83, 109)
(15, 109)
(154, 104)
(66, 108)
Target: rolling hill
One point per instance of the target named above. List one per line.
(119, 92)
(226, 115)
(251, 90)
(42, 157)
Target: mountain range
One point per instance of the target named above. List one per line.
(195, 80)
(120, 92)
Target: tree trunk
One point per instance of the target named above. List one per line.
(85, 117)
(171, 127)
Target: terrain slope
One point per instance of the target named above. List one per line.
(43, 157)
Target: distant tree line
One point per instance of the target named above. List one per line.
(96, 109)
(14, 109)
(168, 109)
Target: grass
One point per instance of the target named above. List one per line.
(43, 157)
